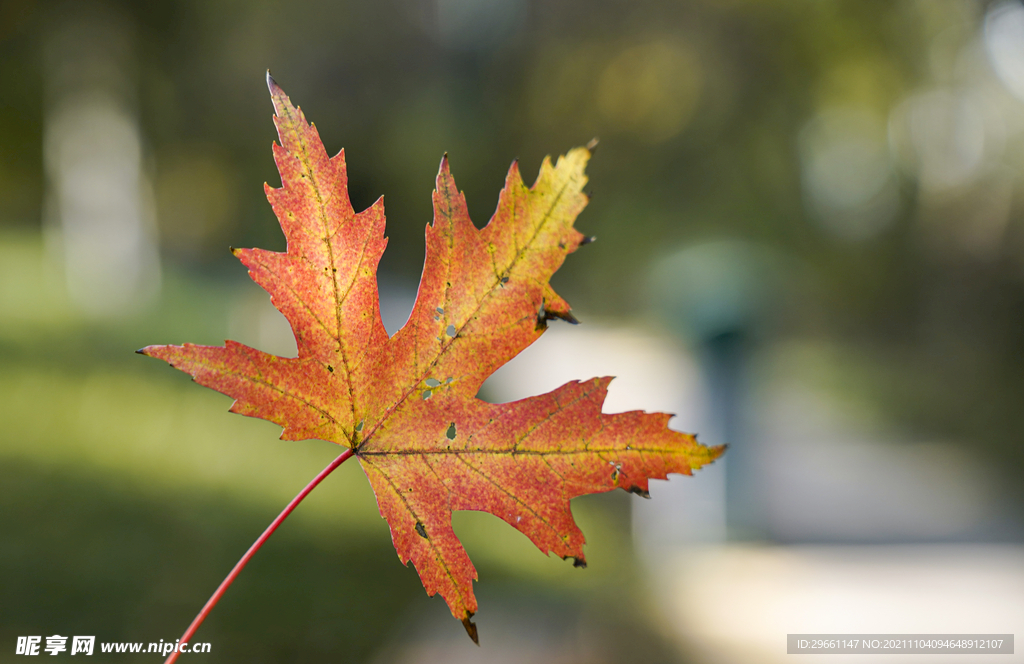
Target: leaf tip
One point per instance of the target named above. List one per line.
(577, 561)
(643, 493)
(282, 105)
(471, 628)
(544, 315)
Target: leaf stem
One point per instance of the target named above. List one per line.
(229, 579)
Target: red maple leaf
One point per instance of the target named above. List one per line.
(406, 406)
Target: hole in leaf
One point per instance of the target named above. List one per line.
(359, 427)
(439, 310)
(450, 331)
(426, 394)
(330, 368)
(433, 382)
(420, 530)
(451, 431)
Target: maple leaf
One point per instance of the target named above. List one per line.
(407, 405)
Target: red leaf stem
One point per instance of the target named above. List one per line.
(240, 565)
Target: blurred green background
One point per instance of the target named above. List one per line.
(871, 149)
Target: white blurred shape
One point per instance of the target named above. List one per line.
(737, 603)
(847, 174)
(652, 373)
(100, 212)
(94, 164)
(1004, 44)
(828, 477)
(945, 136)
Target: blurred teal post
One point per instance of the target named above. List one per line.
(714, 295)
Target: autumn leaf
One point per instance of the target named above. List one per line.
(407, 405)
